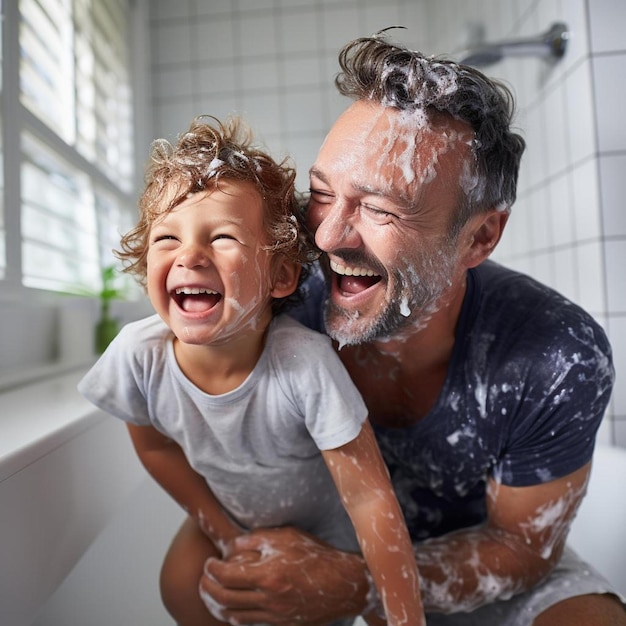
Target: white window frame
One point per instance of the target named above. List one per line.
(16, 119)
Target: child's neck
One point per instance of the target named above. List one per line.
(219, 369)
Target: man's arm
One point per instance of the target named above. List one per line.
(167, 464)
(517, 547)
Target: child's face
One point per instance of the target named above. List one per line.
(208, 276)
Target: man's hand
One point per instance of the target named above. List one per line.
(284, 576)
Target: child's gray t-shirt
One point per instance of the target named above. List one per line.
(258, 445)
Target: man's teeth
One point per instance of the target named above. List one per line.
(351, 271)
(194, 291)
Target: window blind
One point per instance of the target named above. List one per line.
(74, 78)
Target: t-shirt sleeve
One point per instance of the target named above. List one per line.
(565, 395)
(331, 405)
(116, 382)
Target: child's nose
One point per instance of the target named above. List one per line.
(193, 255)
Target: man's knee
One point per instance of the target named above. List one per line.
(596, 609)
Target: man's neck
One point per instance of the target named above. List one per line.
(401, 378)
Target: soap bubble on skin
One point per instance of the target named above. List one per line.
(488, 586)
(213, 607)
(404, 307)
(553, 520)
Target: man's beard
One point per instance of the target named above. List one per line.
(412, 303)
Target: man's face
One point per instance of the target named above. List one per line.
(384, 189)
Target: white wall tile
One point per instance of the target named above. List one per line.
(305, 112)
(508, 18)
(378, 16)
(289, 4)
(607, 19)
(210, 7)
(565, 273)
(536, 151)
(610, 85)
(523, 265)
(222, 77)
(579, 113)
(334, 105)
(299, 32)
(590, 267)
(340, 25)
(244, 6)
(220, 106)
(617, 337)
(548, 11)
(556, 140)
(303, 70)
(170, 43)
(619, 431)
(605, 432)
(263, 74)
(173, 118)
(213, 40)
(174, 82)
(166, 9)
(612, 173)
(514, 234)
(257, 35)
(560, 212)
(539, 221)
(542, 265)
(263, 112)
(304, 155)
(414, 18)
(586, 200)
(615, 255)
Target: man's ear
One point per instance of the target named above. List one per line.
(285, 277)
(483, 234)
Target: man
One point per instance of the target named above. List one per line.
(486, 388)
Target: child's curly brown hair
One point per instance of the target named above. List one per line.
(204, 155)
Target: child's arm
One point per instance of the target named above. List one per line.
(363, 483)
(167, 464)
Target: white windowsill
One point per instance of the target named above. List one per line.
(39, 417)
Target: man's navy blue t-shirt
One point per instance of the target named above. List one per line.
(527, 386)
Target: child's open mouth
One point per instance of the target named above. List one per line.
(196, 299)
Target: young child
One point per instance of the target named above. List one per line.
(228, 404)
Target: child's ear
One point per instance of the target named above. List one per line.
(285, 277)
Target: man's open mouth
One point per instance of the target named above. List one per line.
(196, 299)
(354, 279)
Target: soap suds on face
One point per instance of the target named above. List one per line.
(404, 307)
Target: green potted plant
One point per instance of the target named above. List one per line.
(107, 326)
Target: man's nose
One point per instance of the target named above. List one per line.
(335, 228)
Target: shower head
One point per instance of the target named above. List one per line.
(549, 45)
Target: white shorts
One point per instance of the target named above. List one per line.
(571, 577)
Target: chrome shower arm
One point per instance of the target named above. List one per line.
(550, 45)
